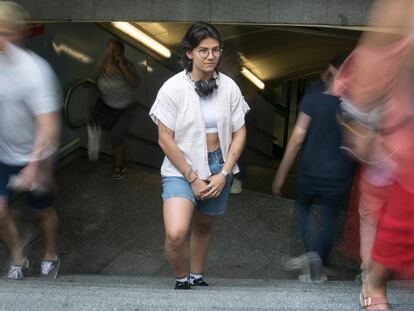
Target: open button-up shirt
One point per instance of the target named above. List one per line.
(177, 106)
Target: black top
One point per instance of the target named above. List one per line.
(321, 156)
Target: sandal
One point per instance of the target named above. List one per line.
(119, 172)
(368, 302)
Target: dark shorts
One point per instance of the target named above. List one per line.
(34, 200)
(117, 121)
(178, 187)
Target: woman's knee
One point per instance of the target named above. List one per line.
(176, 237)
(202, 224)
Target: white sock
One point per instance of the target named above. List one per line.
(183, 279)
(194, 276)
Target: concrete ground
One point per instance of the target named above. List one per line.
(81, 292)
(111, 245)
(115, 227)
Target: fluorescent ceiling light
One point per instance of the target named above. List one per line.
(141, 37)
(256, 81)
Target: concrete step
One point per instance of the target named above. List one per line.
(87, 292)
(116, 228)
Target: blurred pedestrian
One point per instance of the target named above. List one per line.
(376, 88)
(30, 101)
(117, 84)
(325, 172)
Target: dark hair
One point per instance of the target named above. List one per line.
(195, 34)
(338, 60)
(118, 43)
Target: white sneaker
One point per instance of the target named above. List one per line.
(310, 266)
(306, 278)
(50, 268)
(236, 186)
(94, 141)
(17, 272)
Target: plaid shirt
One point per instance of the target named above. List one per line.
(177, 106)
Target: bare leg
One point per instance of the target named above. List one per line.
(119, 134)
(200, 239)
(370, 205)
(177, 220)
(48, 222)
(377, 283)
(9, 234)
(367, 230)
(120, 152)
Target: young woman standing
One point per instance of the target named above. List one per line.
(200, 116)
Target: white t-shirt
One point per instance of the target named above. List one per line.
(115, 90)
(177, 106)
(28, 87)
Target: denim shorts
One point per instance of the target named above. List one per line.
(178, 187)
(36, 201)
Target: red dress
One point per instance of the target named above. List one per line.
(387, 74)
(394, 242)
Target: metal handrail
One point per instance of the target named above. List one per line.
(85, 82)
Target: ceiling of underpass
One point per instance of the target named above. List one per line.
(272, 53)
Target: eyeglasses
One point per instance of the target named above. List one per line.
(204, 52)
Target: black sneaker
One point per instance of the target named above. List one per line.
(182, 285)
(198, 282)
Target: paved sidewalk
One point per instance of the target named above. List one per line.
(101, 293)
(111, 245)
(116, 227)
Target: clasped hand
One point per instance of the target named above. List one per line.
(210, 188)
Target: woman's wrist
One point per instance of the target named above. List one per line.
(192, 177)
(192, 181)
(225, 173)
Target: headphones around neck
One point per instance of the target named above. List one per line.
(203, 89)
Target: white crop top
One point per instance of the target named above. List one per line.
(209, 114)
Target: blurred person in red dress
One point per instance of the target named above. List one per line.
(375, 84)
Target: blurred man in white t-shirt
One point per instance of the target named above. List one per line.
(29, 137)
